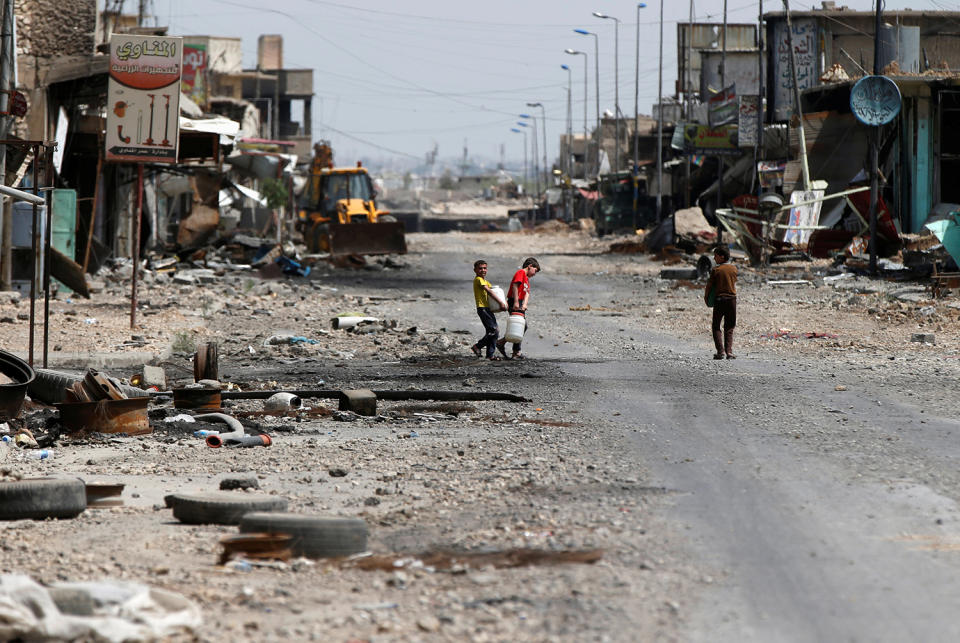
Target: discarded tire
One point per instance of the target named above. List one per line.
(220, 509)
(313, 537)
(42, 498)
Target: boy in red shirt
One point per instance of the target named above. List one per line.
(517, 299)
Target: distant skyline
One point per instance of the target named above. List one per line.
(394, 79)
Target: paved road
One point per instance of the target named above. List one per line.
(813, 514)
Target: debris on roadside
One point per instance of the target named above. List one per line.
(460, 561)
(103, 610)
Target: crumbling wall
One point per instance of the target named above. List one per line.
(50, 29)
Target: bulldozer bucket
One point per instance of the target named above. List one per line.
(366, 238)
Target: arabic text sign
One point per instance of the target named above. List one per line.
(722, 107)
(143, 99)
(747, 126)
(193, 81)
(875, 100)
(805, 49)
(702, 139)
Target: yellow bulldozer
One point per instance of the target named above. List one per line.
(338, 211)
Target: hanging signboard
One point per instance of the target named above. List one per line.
(712, 141)
(805, 48)
(193, 83)
(143, 99)
(804, 215)
(747, 126)
(722, 107)
(875, 100)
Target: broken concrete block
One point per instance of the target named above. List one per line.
(153, 376)
(360, 401)
(923, 338)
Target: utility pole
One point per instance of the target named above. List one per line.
(7, 61)
(875, 150)
(798, 108)
(723, 88)
(660, 124)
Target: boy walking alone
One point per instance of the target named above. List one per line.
(482, 293)
(723, 286)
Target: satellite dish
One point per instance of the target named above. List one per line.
(875, 100)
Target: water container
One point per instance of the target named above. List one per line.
(515, 327)
(494, 306)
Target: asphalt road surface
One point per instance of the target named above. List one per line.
(813, 514)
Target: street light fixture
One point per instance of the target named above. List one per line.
(543, 132)
(596, 76)
(524, 132)
(574, 52)
(616, 84)
(533, 152)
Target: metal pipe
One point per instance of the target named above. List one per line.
(136, 246)
(20, 195)
(723, 88)
(798, 109)
(48, 180)
(875, 151)
(35, 243)
(660, 125)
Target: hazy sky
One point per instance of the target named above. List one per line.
(394, 78)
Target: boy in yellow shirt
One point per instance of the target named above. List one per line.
(482, 293)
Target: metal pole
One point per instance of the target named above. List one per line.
(687, 91)
(636, 119)
(35, 246)
(875, 150)
(48, 181)
(635, 166)
(586, 138)
(596, 77)
(7, 56)
(136, 246)
(660, 124)
(760, 90)
(798, 109)
(616, 91)
(566, 192)
(546, 171)
(723, 87)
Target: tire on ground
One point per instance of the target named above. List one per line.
(220, 509)
(42, 498)
(313, 536)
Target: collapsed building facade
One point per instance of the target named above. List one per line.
(229, 141)
(716, 153)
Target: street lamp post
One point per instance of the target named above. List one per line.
(660, 123)
(524, 132)
(543, 133)
(574, 52)
(636, 120)
(569, 159)
(596, 75)
(616, 85)
(533, 151)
